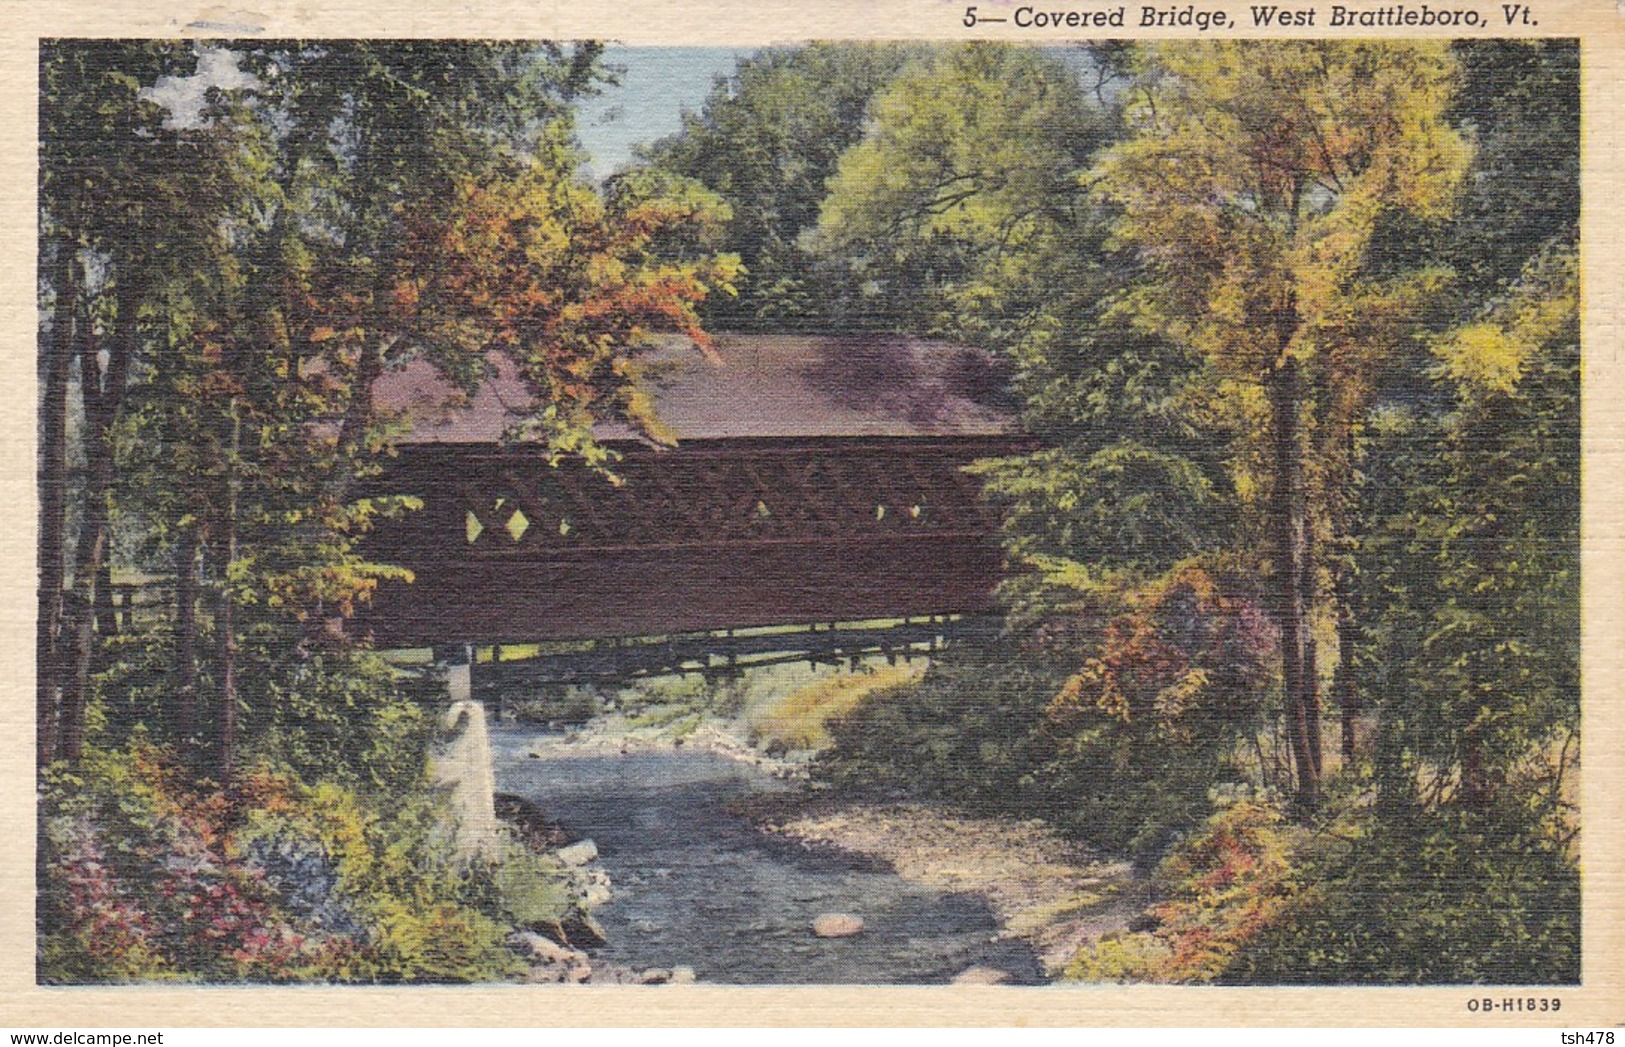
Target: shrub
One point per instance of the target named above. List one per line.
(1436, 896)
(798, 719)
(136, 882)
(967, 731)
(340, 715)
(557, 704)
(142, 879)
(1442, 896)
(1221, 889)
(1112, 721)
(1151, 721)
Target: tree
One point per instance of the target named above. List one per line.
(766, 140)
(1253, 182)
(570, 285)
(962, 197)
(378, 131)
(132, 207)
(1475, 563)
(230, 304)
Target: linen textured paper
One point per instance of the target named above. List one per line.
(1084, 514)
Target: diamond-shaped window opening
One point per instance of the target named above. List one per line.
(915, 511)
(762, 511)
(472, 527)
(518, 524)
(564, 527)
(880, 512)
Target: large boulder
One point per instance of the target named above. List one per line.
(543, 949)
(577, 853)
(584, 931)
(837, 925)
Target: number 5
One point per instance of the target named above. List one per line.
(970, 18)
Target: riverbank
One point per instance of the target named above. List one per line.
(722, 859)
(1047, 891)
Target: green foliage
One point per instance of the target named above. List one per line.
(968, 731)
(567, 704)
(144, 879)
(411, 911)
(961, 202)
(1123, 958)
(344, 716)
(1429, 897)
(1472, 559)
(338, 714)
(1221, 889)
(678, 706)
(1122, 753)
(527, 889)
(799, 718)
(1521, 100)
(766, 140)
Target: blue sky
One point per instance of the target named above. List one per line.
(656, 85)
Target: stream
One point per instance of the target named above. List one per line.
(697, 884)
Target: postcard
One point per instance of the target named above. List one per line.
(1085, 513)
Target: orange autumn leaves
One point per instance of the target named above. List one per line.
(1193, 652)
(568, 283)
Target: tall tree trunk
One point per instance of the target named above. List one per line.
(80, 623)
(184, 724)
(1348, 517)
(1478, 785)
(1311, 670)
(1294, 578)
(103, 396)
(358, 415)
(225, 618)
(1343, 683)
(106, 613)
(56, 360)
(1475, 783)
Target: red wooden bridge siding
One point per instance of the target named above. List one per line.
(716, 535)
(816, 478)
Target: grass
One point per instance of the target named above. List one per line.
(797, 718)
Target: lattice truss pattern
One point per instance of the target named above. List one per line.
(531, 509)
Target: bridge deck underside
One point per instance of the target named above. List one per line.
(507, 549)
(725, 654)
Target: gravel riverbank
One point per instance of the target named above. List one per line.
(1051, 893)
(727, 863)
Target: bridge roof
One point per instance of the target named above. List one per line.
(756, 386)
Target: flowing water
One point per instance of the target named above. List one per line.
(698, 884)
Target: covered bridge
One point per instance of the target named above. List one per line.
(815, 479)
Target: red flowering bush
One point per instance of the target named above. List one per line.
(1191, 659)
(1171, 686)
(137, 883)
(1223, 889)
(143, 879)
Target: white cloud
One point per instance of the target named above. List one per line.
(184, 96)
